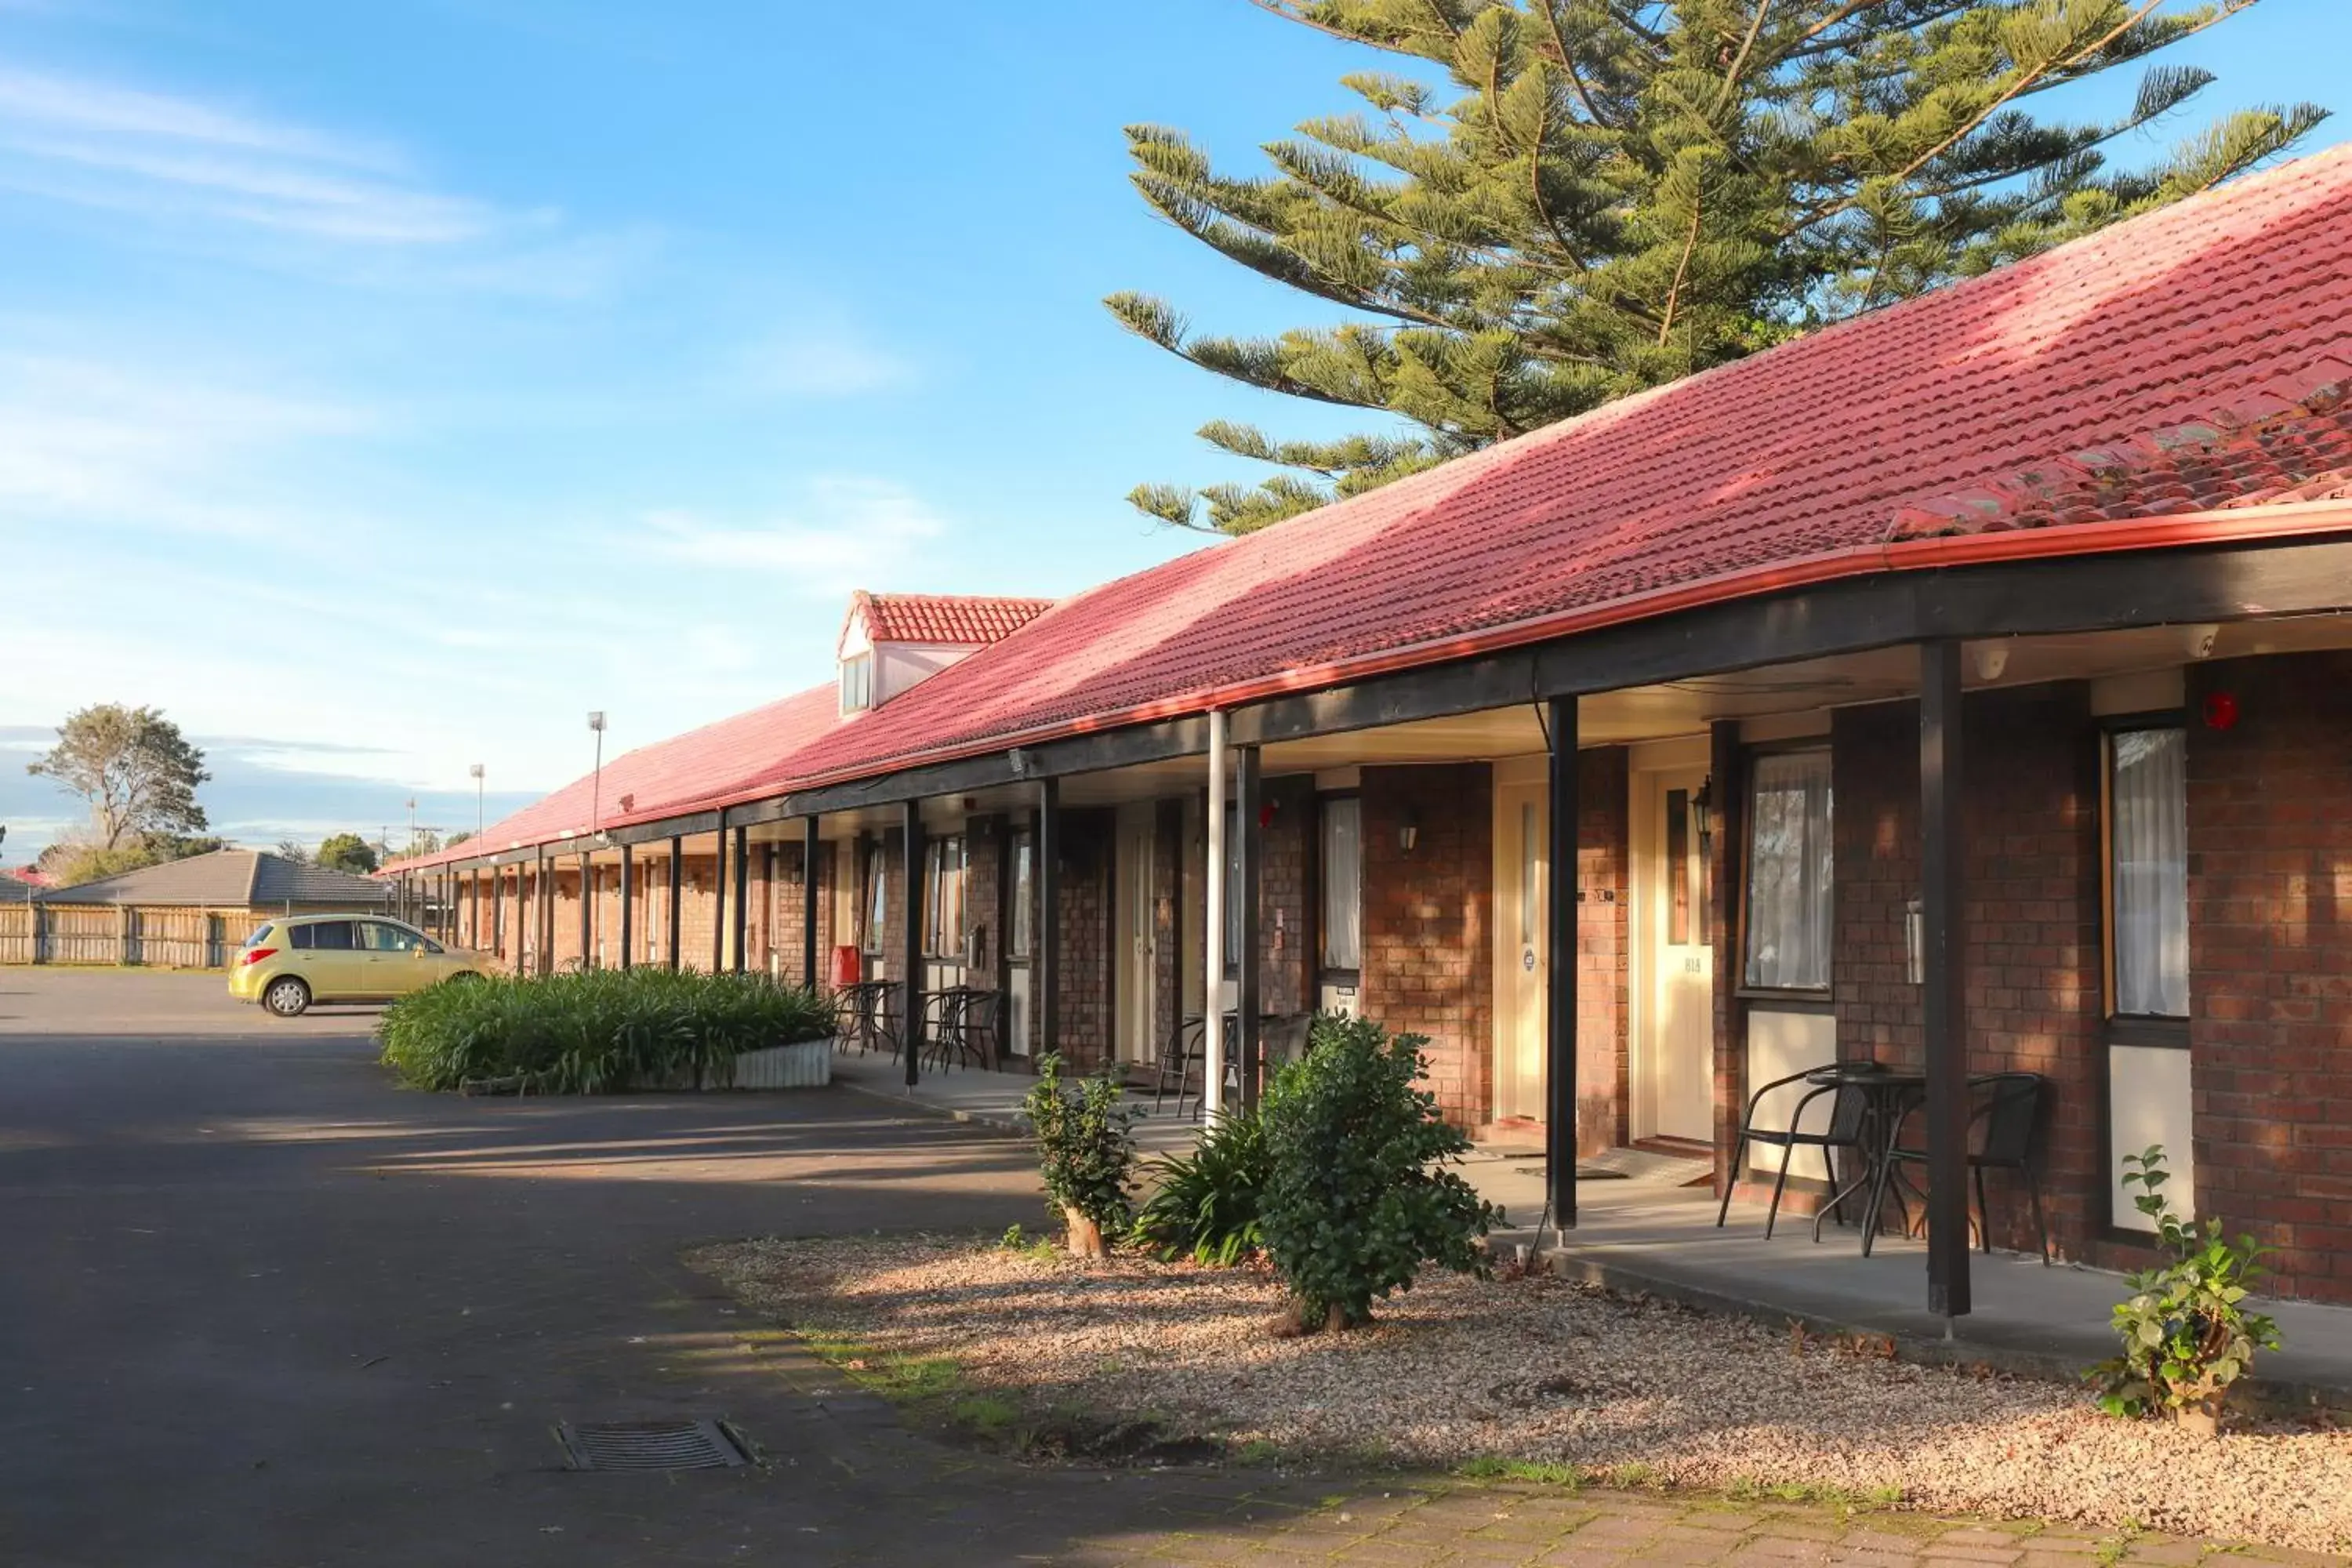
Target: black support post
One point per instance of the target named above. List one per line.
(1559, 966)
(587, 911)
(628, 904)
(812, 847)
(676, 896)
(1249, 792)
(1048, 977)
(739, 947)
(1943, 1000)
(719, 895)
(911, 870)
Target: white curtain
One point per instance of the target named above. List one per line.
(1788, 903)
(2150, 845)
(1343, 883)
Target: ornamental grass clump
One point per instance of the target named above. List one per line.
(602, 1031)
(1357, 1196)
(1208, 1205)
(1086, 1151)
(2187, 1335)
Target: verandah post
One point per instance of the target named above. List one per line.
(628, 901)
(739, 947)
(1049, 916)
(587, 908)
(1559, 966)
(1213, 947)
(1942, 997)
(719, 895)
(912, 868)
(1250, 792)
(676, 896)
(812, 845)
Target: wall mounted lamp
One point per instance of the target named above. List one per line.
(1409, 832)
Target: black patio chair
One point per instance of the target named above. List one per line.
(980, 1027)
(1182, 1049)
(1849, 1119)
(2004, 1134)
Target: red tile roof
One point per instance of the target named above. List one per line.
(942, 617)
(2196, 357)
(664, 779)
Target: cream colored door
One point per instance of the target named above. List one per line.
(1675, 1036)
(1522, 886)
(1137, 949)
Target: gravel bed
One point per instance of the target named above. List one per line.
(1539, 1369)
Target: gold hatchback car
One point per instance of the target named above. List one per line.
(290, 963)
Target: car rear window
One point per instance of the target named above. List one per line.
(334, 936)
(259, 937)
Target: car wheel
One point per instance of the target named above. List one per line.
(286, 997)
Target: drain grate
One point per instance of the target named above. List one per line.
(652, 1445)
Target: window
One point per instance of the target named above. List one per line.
(1025, 896)
(1789, 864)
(378, 937)
(2148, 850)
(943, 881)
(259, 937)
(857, 682)
(877, 898)
(1343, 883)
(324, 936)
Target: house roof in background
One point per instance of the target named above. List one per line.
(957, 618)
(2196, 357)
(224, 879)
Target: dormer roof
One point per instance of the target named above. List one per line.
(971, 620)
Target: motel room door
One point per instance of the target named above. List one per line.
(1137, 935)
(1673, 1044)
(1522, 886)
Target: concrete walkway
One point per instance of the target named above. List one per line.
(1643, 1236)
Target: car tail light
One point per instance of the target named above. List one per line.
(256, 954)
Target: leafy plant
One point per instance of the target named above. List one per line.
(2185, 1332)
(596, 1032)
(1208, 1203)
(1352, 1206)
(1086, 1150)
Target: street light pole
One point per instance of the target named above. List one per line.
(476, 770)
(596, 788)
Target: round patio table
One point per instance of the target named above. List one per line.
(1888, 1094)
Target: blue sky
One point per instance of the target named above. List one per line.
(383, 387)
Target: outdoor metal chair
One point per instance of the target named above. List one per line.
(1849, 1118)
(2005, 1134)
(1177, 1055)
(979, 1031)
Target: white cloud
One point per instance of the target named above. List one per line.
(845, 531)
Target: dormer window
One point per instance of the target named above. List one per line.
(857, 682)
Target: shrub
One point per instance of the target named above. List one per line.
(597, 1032)
(1086, 1150)
(1208, 1204)
(1352, 1206)
(2185, 1332)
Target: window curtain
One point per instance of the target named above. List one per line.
(1343, 884)
(1789, 902)
(2150, 845)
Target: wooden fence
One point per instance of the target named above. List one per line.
(122, 934)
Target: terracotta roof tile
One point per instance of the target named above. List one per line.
(943, 617)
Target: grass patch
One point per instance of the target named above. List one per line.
(1257, 1451)
(1501, 1467)
(1747, 1488)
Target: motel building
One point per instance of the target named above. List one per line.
(1967, 688)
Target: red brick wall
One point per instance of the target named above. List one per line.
(1168, 996)
(1284, 962)
(2269, 942)
(1087, 839)
(785, 911)
(2031, 831)
(1428, 966)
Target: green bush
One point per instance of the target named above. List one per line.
(1208, 1203)
(602, 1031)
(1086, 1150)
(2185, 1332)
(1353, 1206)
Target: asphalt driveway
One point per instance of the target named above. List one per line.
(262, 1308)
